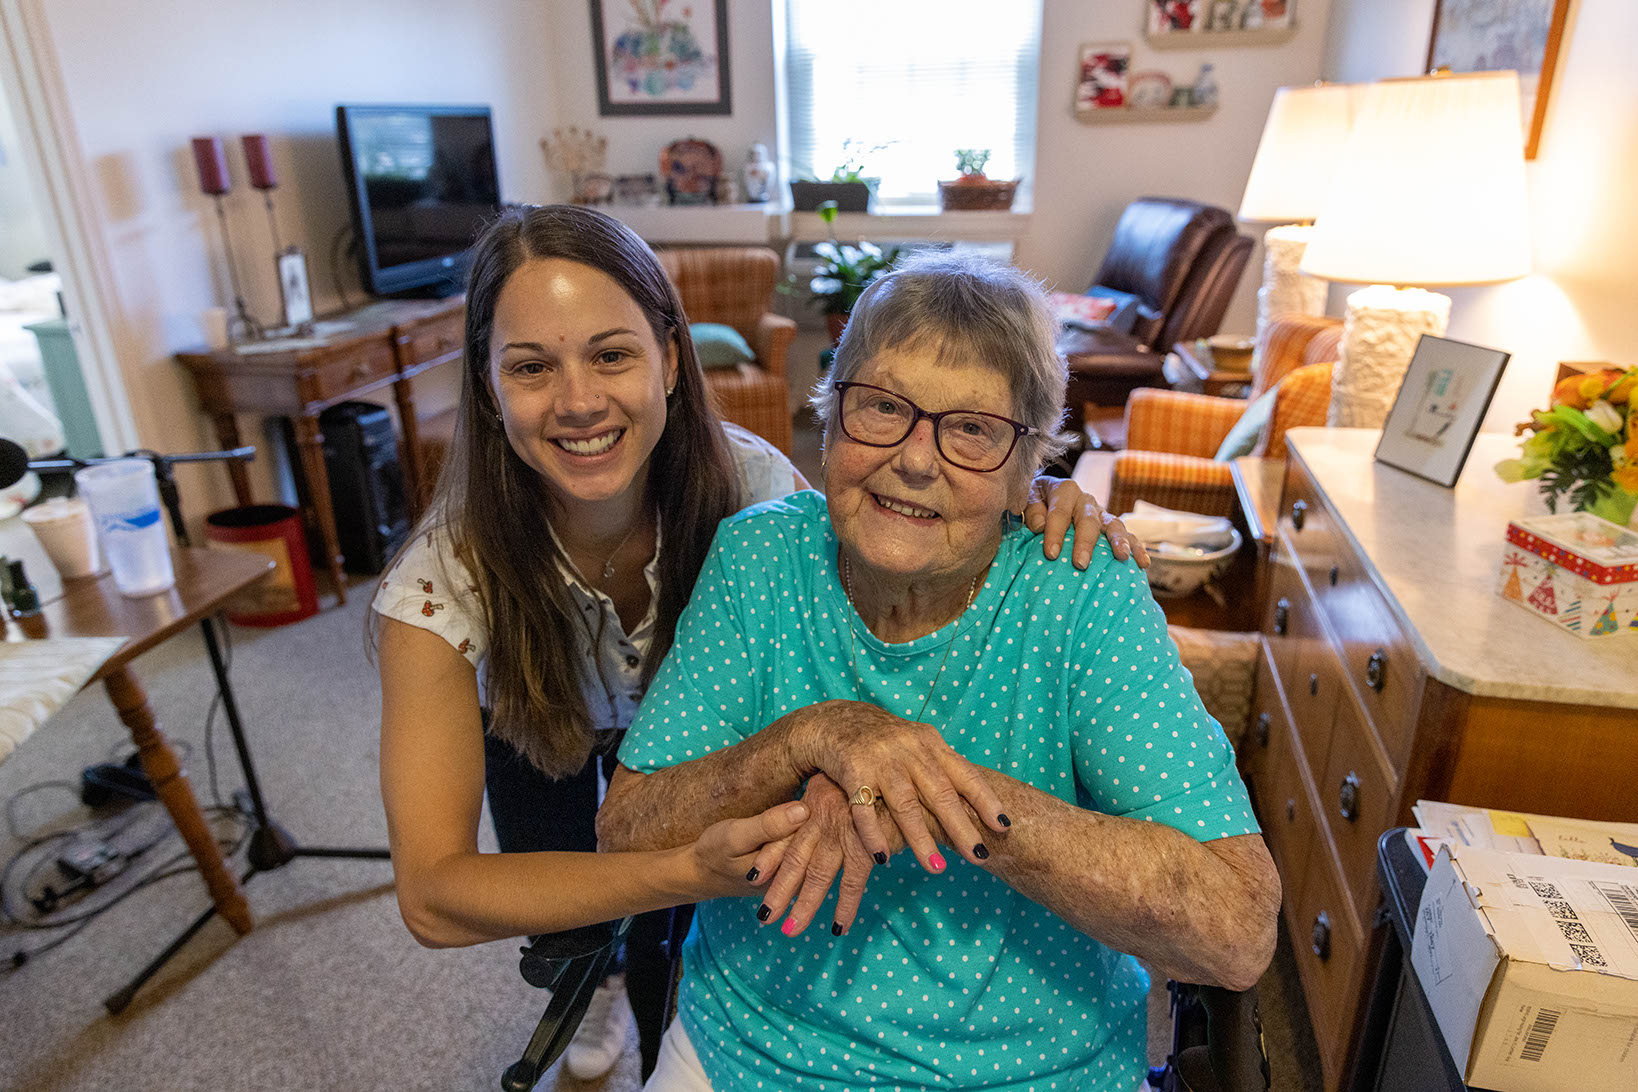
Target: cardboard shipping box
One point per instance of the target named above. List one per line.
(1530, 964)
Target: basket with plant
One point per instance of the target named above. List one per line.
(974, 191)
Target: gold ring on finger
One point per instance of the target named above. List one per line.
(865, 797)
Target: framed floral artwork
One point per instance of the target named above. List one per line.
(1174, 16)
(1104, 67)
(659, 57)
(1487, 35)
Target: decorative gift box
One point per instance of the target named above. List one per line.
(1575, 570)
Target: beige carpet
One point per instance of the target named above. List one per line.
(329, 991)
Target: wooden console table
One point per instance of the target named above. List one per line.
(387, 344)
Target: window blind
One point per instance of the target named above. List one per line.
(902, 84)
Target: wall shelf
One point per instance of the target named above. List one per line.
(723, 224)
(1116, 115)
(1212, 39)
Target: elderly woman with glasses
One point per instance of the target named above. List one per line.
(896, 653)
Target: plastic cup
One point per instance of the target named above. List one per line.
(65, 529)
(124, 500)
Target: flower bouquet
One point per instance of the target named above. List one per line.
(1585, 446)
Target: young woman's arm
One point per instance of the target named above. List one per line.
(432, 784)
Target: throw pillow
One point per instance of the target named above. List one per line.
(719, 346)
(1243, 437)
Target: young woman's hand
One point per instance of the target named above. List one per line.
(720, 860)
(1055, 503)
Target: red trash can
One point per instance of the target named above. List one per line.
(287, 593)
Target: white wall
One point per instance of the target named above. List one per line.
(1086, 174)
(141, 84)
(1582, 301)
(22, 237)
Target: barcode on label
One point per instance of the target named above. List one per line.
(1535, 1040)
(1622, 902)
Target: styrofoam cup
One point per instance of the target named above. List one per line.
(65, 529)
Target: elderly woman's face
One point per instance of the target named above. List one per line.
(904, 510)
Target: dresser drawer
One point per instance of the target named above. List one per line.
(1356, 795)
(348, 372)
(1302, 657)
(1309, 525)
(1330, 950)
(1377, 658)
(432, 342)
(1267, 707)
(1284, 808)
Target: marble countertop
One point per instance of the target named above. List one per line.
(1434, 553)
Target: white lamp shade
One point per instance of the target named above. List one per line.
(1297, 156)
(1430, 188)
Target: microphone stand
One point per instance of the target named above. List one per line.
(271, 846)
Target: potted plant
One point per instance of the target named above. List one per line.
(1585, 446)
(973, 190)
(848, 186)
(843, 274)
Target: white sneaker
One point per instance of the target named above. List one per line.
(601, 1037)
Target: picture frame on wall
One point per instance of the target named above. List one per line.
(1439, 408)
(1486, 35)
(660, 57)
(1175, 16)
(1104, 70)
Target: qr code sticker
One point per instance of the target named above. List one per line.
(1588, 954)
(1546, 890)
(1561, 909)
(1574, 930)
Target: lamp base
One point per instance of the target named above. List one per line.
(1379, 334)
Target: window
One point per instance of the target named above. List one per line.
(907, 82)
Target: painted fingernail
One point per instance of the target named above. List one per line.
(881, 858)
(750, 877)
(980, 852)
(789, 928)
(1004, 820)
(835, 928)
(763, 912)
(937, 861)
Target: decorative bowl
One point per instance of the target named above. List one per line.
(1175, 575)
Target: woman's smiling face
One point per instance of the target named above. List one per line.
(904, 511)
(580, 379)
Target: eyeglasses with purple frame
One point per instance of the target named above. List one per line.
(1019, 430)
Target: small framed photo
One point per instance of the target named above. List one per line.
(1262, 14)
(293, 289)
(1104, 67)
(1436, 415)
(1175, 16)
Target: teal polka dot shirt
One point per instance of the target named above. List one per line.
(1062, 679)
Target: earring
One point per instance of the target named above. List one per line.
(669, 391)
(499, 420)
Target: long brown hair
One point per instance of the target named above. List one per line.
(495, 506)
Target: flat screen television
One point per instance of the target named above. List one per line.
(423, 184)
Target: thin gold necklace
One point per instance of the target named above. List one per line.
(852, 662)
(608, 566)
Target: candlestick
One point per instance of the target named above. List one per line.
(212, 166)
(260, 162)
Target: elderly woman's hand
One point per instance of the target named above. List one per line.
(804, 865)
(905, 765)
(1055, 503)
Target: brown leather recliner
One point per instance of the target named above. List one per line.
(1183, 261)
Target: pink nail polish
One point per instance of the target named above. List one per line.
(937, 861)
(789, 928)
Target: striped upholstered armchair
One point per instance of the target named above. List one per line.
(732, 285)
(1172, 436)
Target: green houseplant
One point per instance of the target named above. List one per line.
(844, 272)
(848, 186)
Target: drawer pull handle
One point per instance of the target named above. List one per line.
(1348, 797)
(1291, 809)
(1263, 722)
(1333, 575)
(1282, 616)
(1299, 509)
(360, 372)
(1376, 670)
(1313, 685)
(1321, 936)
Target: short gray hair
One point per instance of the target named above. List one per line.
(965, 309)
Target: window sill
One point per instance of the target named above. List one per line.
(912, 222)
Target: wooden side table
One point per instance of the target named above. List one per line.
(1199, 372)
(386, 345)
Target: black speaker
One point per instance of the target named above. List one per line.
(366, 484)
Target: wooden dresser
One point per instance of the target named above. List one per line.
(382, 345)
(1391, 671)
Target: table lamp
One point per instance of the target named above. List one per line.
(1290, 176)
(1429, 190)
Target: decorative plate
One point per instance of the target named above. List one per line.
(690, 168)
(1151, 88)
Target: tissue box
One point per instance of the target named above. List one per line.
(1575, 570)
(1530, 965)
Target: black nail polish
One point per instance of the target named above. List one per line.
(750, 877)
(980, 852)
(1004, 820)
(881, 858)
(763, 912)
(835, 928)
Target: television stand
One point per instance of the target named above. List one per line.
(385, 344)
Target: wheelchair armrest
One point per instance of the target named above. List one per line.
(1233, 1057)
(544, 958)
